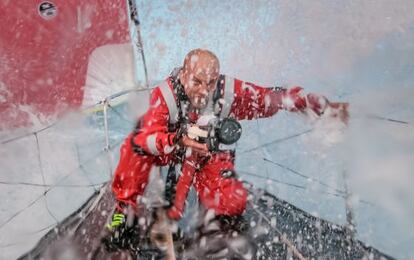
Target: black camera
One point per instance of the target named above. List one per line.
(220, 134)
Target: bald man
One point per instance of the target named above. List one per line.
(191, 92)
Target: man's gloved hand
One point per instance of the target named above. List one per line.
(293, 101)
(182, 139)
(322, 107)
(317, 103)
(195, 146)
(338, 110)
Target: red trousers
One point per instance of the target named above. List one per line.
(225, 195)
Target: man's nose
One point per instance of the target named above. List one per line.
(202, 88)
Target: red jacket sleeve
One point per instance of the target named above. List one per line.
(153, 135)
(253, 101)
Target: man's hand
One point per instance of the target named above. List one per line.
(339, 110)
(195, 146)
(293, 101)
(317, 103)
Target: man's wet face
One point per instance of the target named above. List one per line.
(199, 78)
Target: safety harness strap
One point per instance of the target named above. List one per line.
(168, 95)
(228, 96)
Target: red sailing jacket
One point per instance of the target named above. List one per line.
(240, 100)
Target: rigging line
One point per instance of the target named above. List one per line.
(28, 134)
(290, 210)
(23, 209)
(49, 189)
(283, 236)
(269, 221)
(124, 92)
(284, 205)
(120, 115)
(373, 116)
(81, 167)
(39, 230)
(310, 130)
(303, 175)
(107, 148)
(25, 184)
(34, 201)
(263, 148)
(304, 187)
(43, 177)
(16, 243)
(276, 141)
(272, 179)
(292, 185)
(133, 12)
(115, 95)
(52, 185)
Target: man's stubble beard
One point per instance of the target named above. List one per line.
(201, 104)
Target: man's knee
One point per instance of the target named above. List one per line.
(131, 176)
(233, 198)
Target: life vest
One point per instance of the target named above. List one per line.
(177, 102)
(175, 98)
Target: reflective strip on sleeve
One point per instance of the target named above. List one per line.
(228, 96)
(152, 145)
(170, 100)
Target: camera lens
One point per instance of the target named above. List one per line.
(229, 131)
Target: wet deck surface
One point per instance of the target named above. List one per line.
(269, 229)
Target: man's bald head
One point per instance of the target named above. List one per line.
(199, 76)
(202, 57)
